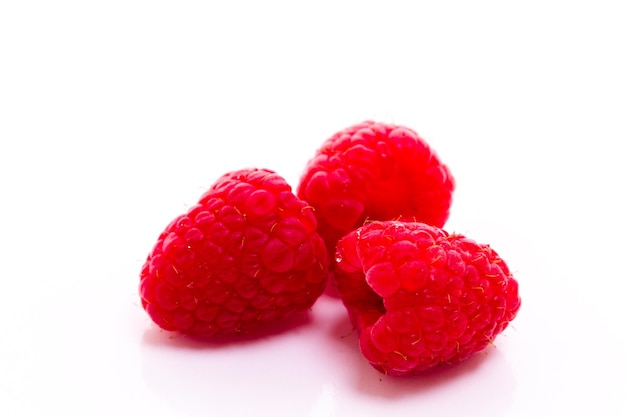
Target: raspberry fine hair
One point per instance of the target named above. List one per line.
(375, 171)
(420, 297)
(247, 253)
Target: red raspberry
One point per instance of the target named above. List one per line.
(375, 171)
(421, 297)
(247, 253)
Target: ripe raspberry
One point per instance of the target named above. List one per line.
(420, 297)
(247, 253)
(375, 171)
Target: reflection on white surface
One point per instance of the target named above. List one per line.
(314, 366)
(325, 406)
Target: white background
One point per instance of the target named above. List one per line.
(115, 116)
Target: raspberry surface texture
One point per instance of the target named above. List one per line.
(375, 171)
(420, 297)
(247, 253)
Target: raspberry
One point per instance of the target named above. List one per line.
(247, 253)
(420, 297)
(375, 171)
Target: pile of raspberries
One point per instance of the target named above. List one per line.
(365, 225)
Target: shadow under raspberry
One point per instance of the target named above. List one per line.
(485, 381)
(158, 337)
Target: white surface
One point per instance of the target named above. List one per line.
(114, 117)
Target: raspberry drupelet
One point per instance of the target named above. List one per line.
(375, 171)
(420, 297)
(247, 253)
